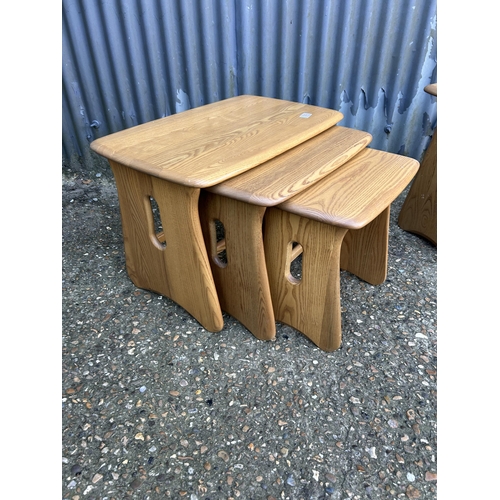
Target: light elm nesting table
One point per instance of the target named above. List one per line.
(279, 179)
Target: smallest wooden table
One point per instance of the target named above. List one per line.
(168, 161)
(341, 222)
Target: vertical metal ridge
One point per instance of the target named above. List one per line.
(127, 62)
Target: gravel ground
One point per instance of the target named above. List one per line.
(154, 406)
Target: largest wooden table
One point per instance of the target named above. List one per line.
(166, 162)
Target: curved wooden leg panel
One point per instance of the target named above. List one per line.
(365, 251)
(419, 212)
(174, 262)
(311, 304)
(241, 279)
(144, 262)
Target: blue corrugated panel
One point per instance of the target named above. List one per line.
(126, 62)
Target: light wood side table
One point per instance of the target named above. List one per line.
(341, 222)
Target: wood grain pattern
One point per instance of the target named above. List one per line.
(242, 284)
(209, 144)
(179, 270)
(340, 199)
(311, 306)
(293, 171)
(365, 250)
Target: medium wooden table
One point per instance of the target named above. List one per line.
(169, 160)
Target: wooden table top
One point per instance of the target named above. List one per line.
(210, 144)
(285, 175)
(432, 89)
(339, 199)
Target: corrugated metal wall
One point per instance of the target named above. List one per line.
(126, 62)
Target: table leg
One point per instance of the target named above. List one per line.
(241, 279)
(419, 212)
(311, 304)
(365, 251)
(172, 262)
